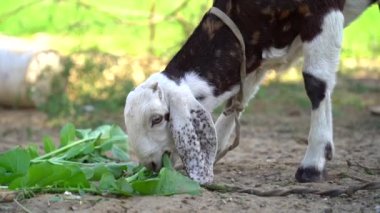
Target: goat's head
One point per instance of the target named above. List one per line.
(162, 116)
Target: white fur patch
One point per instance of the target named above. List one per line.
(321, 61)
(274, 53)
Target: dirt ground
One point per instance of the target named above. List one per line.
(273, 143)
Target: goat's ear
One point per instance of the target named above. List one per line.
(194, 135)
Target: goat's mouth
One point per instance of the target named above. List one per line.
(156, 166)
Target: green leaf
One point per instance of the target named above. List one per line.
(67, 134)
(107, 182)
(173, 182)
(79, 150)
(123, 187)
(95, 173)
(103, 130)
(111, 135)
(168, 182)
(48, 144)
(167, 162)
(13, 164)
(83, 133)
(88, 172)
(146, 187)
(73, 152)
(47, 174)
(32, 150)
(81, 159)
(119, 154)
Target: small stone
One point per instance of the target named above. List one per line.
(375, 110)
(377, 209)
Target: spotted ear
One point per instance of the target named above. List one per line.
(194, 135)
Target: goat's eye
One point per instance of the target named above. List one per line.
(156, 119)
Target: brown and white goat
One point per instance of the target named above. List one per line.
(171, 111)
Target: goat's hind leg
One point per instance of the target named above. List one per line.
(321, 60)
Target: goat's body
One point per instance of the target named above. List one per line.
(214, 54)
(276, 33)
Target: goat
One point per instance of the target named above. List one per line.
(171, 111)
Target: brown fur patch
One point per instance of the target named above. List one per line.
(267, 11)
(229, 7)
(304, 9)
(284, 14)
(211, 26)
(255, 38)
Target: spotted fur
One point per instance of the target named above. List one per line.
(195, 139)
(205, 73)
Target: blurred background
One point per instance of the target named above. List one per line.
(105, 48)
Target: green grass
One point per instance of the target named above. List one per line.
(362, 37)
(115, 26)
(119, 26)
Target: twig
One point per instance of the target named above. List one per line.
(343, 175)
(18, 9)
(367, 169)
(23, 207)
(152, 27)
(156, 20)
(177, 10)
(284, 192)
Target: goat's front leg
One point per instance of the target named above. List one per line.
(321, 60)
(225, 124)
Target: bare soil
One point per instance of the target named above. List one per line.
(273, 143)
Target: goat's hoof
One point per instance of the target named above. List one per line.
(309, 174)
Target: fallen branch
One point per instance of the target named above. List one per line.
(284, 192)
(368, 170)
(21, 206)
(346, 175)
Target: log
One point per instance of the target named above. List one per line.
(27, 75)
